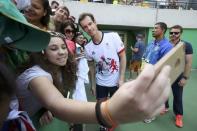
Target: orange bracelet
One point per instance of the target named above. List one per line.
(100, 118)
(109, 117)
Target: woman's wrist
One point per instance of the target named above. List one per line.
(99, 111)
(108, 114)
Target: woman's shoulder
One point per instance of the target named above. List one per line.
(33, 72)
(37, 70)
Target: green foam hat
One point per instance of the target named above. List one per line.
(15, 31)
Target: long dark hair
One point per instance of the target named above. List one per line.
(45, 19)
(71, 24)
(7, 82)
(68, 72)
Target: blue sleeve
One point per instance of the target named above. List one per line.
(165, 50)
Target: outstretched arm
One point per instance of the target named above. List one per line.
(141, 98)
(134, 101)
(65, 109)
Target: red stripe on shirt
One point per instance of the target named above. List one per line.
(121, 51)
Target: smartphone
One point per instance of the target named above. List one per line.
(174, 58)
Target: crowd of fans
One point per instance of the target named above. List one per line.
(51, 70)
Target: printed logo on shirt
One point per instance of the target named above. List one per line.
(106, 65)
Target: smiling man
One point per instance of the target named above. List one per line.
(108, 52)
(61, 14)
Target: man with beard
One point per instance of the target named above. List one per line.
(177, 86)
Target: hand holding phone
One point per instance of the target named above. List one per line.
(174, 58)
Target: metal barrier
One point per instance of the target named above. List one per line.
(161, 4)
(164, 4)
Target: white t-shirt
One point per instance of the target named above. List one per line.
(28, 101)
(105, 54)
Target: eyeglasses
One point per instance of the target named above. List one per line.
(68, 31)
(175, 33)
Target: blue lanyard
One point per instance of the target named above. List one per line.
(151, 52)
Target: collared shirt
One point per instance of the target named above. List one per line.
(106, 57)
(156, 50)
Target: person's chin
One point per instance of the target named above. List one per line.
(60, 20)
(61, 63)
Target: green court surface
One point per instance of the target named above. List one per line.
(166, 122)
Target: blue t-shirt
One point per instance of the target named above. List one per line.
(156, 50)
(141, 47)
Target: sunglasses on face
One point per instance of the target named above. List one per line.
(174, 33)
(68, 31)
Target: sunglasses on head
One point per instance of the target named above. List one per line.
(56, 34)
(79, 33)
(68, 31)
(175, 33)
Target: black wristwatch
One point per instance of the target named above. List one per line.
(185, 77)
